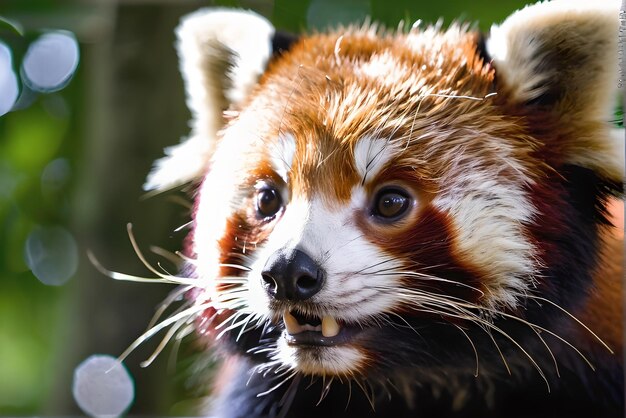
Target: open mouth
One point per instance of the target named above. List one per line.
(317, 331)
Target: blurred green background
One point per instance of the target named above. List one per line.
(74, 161)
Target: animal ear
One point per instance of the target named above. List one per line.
(222, 54)
(559, 59)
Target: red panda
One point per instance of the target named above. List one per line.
(406, 224)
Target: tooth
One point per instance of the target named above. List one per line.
(291, 323)
(330, 327)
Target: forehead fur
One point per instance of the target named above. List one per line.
(427, 91)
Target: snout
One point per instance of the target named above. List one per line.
(291, 275)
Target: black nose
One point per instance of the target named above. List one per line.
(292, 275)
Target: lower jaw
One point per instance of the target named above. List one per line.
(322, 360)
(312, 339)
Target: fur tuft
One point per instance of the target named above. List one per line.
(222, 54)
(560, 57)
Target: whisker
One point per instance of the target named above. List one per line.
(168, 336)
(388, 260)
(556, 365)
(473, 347)
(566, 312)
(369, 398)
(428, 277)
(325, 389)
(168, 255)
(290, 394)
(171, 298)
(183, 226)
(506, 364)
(171, 361)
(537, 327)
(273, 388)
(349, 395)
(130, 278)
(243, 328)
(187, 313)
(440, 302)
(455, 96)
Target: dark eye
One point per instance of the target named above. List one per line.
(391, 204)
(268, 202)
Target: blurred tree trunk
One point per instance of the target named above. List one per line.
(134, 106)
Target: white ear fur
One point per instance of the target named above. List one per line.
(562, 55)
(222, 54)
(541, 44)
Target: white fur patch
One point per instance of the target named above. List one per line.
(222, 54)
(182, 163)
(246, 34)
(329, 361)
(567, 48)
(216, 197)
(514, 44)
(371, 155)
(488, 215)
(385, 68)
(282, 155)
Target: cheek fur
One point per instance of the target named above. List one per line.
(426, 248)
(570, 206)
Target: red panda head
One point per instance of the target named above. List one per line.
(374, 201)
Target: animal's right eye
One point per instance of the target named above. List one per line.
(391, 204)
(268, 202)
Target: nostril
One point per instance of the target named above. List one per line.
(307, 283)
(269, 284)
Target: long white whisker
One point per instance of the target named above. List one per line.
(473, 347)
(167, 303)
(130, 278)
(273, 388)
(168, 336)
(578, 321)
(187, 313)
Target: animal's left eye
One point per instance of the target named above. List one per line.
(391, 204)
(268, 202)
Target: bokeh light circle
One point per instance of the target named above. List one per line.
(50, 61)
(102, 386)
(55, 175)
(52, 255)
(8, 80)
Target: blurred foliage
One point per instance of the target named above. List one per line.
(31, 312)
(46, 128)
(40, 130)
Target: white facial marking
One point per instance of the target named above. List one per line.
(371, 155)
(282, 155)
(498, 247)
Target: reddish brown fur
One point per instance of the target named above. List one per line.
(435, 102)
(604, 308)
(328, 106)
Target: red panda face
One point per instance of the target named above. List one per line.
(354, 202)
(377, 202)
